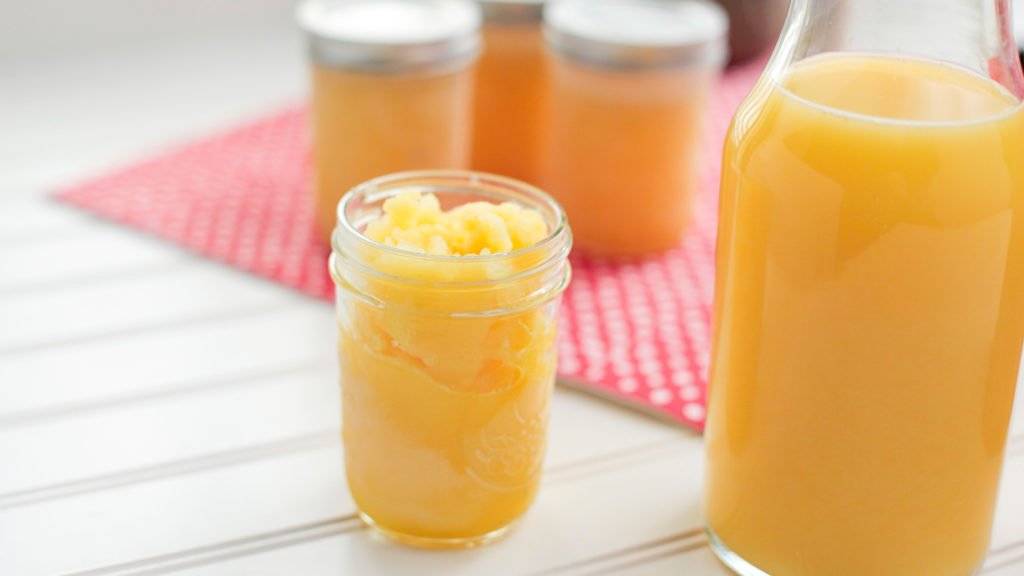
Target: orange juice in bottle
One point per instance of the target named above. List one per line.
(869, 315)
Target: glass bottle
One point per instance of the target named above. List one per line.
(870, 293)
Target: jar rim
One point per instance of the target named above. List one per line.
(557, 242)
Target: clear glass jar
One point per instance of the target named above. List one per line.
(511, 85)
(447, 365)
(391, 90)
(631, 82)
(870, 293)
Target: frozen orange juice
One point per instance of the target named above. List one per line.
(391, 90)
(870, 319)
(448, 285)
(631, 82)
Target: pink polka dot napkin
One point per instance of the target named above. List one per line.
(635, 332)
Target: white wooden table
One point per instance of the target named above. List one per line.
(160, 413)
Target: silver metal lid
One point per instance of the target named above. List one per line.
(512, 12)
(638, 34)
(391, 35)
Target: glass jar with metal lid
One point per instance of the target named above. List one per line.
(391, 89)
(511, 83)
(630, 87)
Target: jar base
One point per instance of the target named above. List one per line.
(732, 560)
(436, 543)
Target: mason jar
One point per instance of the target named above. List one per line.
(447, 364)
(631, 88)
(511, 90)
(391, 89)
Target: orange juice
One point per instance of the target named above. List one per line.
(869, 320)
(391, 90)
(624, 152)
(446, 343)
(367, 125)
(631, 83)
(508, 120)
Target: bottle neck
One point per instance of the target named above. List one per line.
(973, 34)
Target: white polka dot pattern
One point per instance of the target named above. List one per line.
(638, 330)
